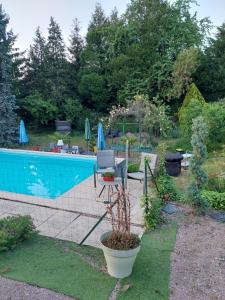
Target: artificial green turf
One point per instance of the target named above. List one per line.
(58, 266)
(62, 266)
(150, 277)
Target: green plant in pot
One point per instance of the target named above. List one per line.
(119, 245)
(108, 176)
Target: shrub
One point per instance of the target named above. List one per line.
(200, 178)
(42, 111)
(132, 168)
(14, 230)
(192, 111)
(167, 188)
(152, 211)
(192, 94)
(216, 184)
(74, 112)
(215, 200)
(214, 116)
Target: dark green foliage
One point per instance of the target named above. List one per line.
(216, 184)
(39, 110)
(192, 94)
(167, 188)
(14, 230)
(190, 112)
(215, 199)
(132, 168)
(74, 112)
(210, 75)
(214, 116)
(199, 135)
(8, 117)
(152, 211)
(93, 89)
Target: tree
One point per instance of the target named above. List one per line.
(56, 64)
(199, 135)
(183, 69)
(210, 75)
(8, 117)
(192, 94)
(35, 77)
(39, 110)
(76, 45)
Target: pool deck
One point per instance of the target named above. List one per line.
(72, 215)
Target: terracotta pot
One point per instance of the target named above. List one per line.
(109, 179)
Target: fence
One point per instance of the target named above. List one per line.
(62, 202)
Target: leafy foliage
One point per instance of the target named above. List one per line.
(215, 199)
(210, 75)
(167, 188)
(199, 135)
(192, 94)
(216, 184)
(8, 120)
(152, 211)
(14, 230)
(39, 110)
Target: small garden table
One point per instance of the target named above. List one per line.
(110, 185)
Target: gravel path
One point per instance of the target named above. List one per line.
(14, 290)
(198, 260)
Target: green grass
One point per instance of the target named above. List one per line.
(150, 278)
(65, 267)
(59, 266)
(45, 137)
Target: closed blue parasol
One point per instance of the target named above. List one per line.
(87, 132)
(23, 135)
(101, 138)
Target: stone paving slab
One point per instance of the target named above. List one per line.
(73, 226)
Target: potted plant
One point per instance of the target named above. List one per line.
(120, 246)
(108, 176)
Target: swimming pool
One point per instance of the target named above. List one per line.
(42, 175)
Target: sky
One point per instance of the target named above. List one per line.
(26, 15)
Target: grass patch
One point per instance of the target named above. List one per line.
(74, 270)
(44, 138)
(150, 278)
(59, 266)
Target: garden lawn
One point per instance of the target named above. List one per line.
(59, 266)
(150, 278)
(65, 267)
(45, 137)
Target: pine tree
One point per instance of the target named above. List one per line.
(76, 45)
(35, 79)
(8, 117)
(199, 135)
(192, 94)
(56, 64)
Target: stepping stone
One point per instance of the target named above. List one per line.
(218, 216)
(170, 209)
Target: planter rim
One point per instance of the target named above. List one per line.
(119, 253)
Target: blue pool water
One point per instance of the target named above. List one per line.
(44, 176)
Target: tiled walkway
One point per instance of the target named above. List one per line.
(80, 215)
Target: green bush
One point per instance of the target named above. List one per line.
(215, 200)
(167, 188)
(152, 211)
(14, 230)
(132, 168)
(192, 94)
(214, 116)
(42, 111)
(216, 184)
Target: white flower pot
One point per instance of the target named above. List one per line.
(119, 262)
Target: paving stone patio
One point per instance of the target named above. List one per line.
(72, 217)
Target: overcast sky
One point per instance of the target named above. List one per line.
(26, 15)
